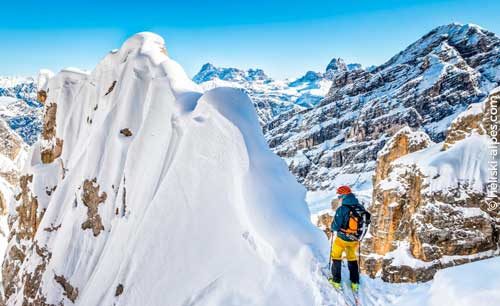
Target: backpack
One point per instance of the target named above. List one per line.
(357, 223)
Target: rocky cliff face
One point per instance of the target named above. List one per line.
(424, 87)
(430, 206)
(13, 152)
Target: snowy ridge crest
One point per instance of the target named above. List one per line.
(140, 181)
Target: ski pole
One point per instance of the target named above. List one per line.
(330, 254)
(359, 260)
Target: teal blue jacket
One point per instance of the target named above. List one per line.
(342, 215)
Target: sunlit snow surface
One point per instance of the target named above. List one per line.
(211, 216)
(207, 214)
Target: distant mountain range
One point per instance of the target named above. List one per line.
(273, 97)
(19, 107)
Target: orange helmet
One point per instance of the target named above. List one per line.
(344, 190)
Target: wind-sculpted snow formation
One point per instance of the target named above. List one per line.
(144, 190)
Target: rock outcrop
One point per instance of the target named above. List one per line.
(13, 152)
(430, 207)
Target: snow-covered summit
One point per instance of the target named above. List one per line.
(143, 184)
(338, 66)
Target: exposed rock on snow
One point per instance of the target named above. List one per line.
(119, 290)
(41, 96)
(52, 146)
(69, 291)
(126, 132)
(204, 197)
(424, 87)
(110, 89)
(429, 202)
(92, 198)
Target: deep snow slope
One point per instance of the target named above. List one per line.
(143, 190)
(472, 284)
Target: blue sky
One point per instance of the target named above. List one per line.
(285, 38)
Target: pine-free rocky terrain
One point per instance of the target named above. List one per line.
(134, 185)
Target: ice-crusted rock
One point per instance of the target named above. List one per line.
(424, 87)
(194, 190)
(430, 202)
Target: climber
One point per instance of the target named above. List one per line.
(350, 223)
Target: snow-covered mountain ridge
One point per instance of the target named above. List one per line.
(142, 184)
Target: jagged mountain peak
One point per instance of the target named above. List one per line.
(469, 42)
(337, 65)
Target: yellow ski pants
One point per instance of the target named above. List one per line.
(340, 246)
